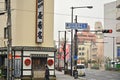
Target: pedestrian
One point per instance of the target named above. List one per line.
(46, 73)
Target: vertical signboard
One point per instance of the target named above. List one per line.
(39, 20)
(17, 67)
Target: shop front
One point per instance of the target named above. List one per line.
(29, 62)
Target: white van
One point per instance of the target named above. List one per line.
(81, 69)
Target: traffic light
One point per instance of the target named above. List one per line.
(107, 31)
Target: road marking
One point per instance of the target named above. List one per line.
(91, 79)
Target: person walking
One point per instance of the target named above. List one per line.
(46, 73)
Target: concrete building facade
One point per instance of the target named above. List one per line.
(86, 46)
(100, 44)
(90, 47)
(118, 28)
(111, 48)
(32, 37)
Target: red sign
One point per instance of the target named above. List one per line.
(17, 56)
(50, 62)
(27, 62)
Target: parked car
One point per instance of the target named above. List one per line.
(81, 69)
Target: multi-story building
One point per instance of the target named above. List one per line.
(112, 47)
(90, 46)
(83, 53)
(99, 44)
(86, 46)
(118, 29)
(32, 37)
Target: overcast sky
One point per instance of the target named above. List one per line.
(62, 13)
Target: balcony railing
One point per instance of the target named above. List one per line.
(118, 40)
(118, 14)
(118, 27)
(118, 4)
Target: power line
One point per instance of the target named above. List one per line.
(68, 14)
(62, 14)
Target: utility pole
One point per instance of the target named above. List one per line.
(71, 41)
(72, 8)
(9, 43)
(75, 38)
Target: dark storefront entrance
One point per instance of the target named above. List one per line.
(38, 65)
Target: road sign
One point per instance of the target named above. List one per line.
(75, 57)
(76, 25)
(118, 52)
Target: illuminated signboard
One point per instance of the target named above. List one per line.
(39, 16)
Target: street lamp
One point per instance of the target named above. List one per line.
(72, 8)
(113, 47)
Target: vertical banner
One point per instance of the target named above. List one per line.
(39, 20)
(17, 67)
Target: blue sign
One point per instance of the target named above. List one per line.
(118, 52)
(17, 68)
(75, 57)
(76, 25)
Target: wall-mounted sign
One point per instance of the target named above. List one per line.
(27, 62)
(17, 71)
(50, 62)
(39, 55)
(39, 20)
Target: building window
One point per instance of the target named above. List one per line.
(83, 48)
(79, 48)
(82, 53)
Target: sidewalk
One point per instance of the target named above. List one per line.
(62, 76)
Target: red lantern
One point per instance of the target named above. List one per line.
(27, 62)
(50, 62)
(10, 56)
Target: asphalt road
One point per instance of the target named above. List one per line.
(91, 75)
(101, 75)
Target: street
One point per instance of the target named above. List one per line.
(102, 75)
(91, 75)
